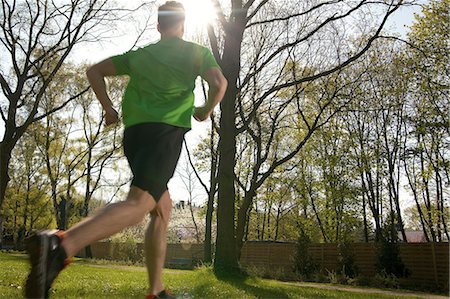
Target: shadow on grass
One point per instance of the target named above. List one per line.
(242, 281)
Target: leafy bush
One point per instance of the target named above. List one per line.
(389, 260)
(346, 260)
(304, 265)
(277, 273)
(384, 280)
(129, 252)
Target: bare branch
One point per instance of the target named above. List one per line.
(47, 113)
(302, 39)
(333, 69)
(411, 45)
(257, 9)
(291, 16)
(195, 170)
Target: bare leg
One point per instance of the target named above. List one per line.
(110, 220)
(156, 242)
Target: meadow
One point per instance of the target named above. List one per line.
(87, 279)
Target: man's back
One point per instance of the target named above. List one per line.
(162, 80)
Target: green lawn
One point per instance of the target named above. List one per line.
(84, 280)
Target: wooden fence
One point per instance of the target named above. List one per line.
(428, 263)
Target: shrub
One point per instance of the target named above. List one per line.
(384, 280)
(129, 252)
(304, 265)
(346, 259)
(277, 273)
(389, 260)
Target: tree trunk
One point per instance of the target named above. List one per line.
(1, 231)
(208, 229)
(207, 245)
(242, 220)
(5, 157)
(62, 214)
(319, 222)
(413, 187)
(88, 251)
(426, 195)
(277, 221)
(226, 257)
(366, 231)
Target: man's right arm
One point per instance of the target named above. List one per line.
(96, 75)
(217, 87)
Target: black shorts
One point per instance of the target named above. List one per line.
(153, 150)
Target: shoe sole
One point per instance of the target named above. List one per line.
(37, 247)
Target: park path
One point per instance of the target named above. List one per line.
(405, 294)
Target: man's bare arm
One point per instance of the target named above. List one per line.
(96, 75)
(217, 87)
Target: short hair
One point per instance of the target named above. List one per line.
(169, 14)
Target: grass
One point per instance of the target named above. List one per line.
(85, 280)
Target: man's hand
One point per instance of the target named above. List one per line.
(201, 113)
(111, 116)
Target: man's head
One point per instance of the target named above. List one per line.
(171, 17)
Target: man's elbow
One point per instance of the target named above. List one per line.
(222, 84)
(91, 71)
(225, 83)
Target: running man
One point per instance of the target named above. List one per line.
(157, 108)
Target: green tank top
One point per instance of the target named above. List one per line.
(162, 81)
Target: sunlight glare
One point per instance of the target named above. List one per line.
(199, 13)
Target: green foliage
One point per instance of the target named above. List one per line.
(133, 234)
(125, 243)
(129, 252)
(384, 280)
(304, 265)
(346, 260)
(389, 261)
(336, 278)
(26, 206)
(429, 34)
(267, 272)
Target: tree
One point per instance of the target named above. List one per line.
(273, 212)
(189, 180)
(207, 156)
(428, 122)
(227, 48)
(36, 39)
(26, 206)
(56, 140)
(100, 147)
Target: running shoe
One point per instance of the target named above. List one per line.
(47, 258)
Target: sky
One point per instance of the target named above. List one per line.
(122, 42)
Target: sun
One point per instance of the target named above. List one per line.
(199, 13)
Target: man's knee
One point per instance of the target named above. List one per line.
(163, 208)
(141, 199)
